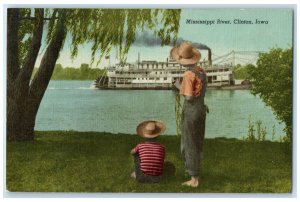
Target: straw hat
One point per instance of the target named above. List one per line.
(185, 54)
(150, 129)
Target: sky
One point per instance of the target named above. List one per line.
(221, 38)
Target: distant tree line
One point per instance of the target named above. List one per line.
(72, 73)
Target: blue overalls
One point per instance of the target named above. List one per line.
(193, 129)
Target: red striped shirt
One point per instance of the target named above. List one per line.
(152, 156)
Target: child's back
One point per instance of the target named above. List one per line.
(152, 156)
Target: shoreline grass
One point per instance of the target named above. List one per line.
(58, 161)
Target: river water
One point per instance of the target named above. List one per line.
(75, 105)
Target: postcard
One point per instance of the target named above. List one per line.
(144, 100)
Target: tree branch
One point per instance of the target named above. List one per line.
(32, 53)
(42, 77)
(33, 18)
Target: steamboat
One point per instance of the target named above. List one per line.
(151, 74)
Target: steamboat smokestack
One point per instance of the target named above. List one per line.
(209, 58)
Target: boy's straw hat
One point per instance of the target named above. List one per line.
(150, 128)
(185, 54)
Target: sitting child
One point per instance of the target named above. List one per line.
(149, 156)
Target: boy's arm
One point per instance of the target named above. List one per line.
(134, 150)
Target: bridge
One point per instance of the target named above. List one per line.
(234, 57)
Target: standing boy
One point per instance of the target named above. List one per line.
(193, 88)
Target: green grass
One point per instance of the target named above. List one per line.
(100, 162)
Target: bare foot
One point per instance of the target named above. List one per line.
(191, 183)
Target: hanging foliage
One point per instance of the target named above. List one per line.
(108, 28)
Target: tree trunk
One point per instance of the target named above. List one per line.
(41, 80)
(23, 97)
(12, 70)
(18, 81)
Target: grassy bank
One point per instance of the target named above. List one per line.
(100, 162)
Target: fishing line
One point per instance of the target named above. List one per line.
(178, 112)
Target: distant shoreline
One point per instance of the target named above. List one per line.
(233, 87)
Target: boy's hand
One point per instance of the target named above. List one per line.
(132, 151)
(177, 84)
